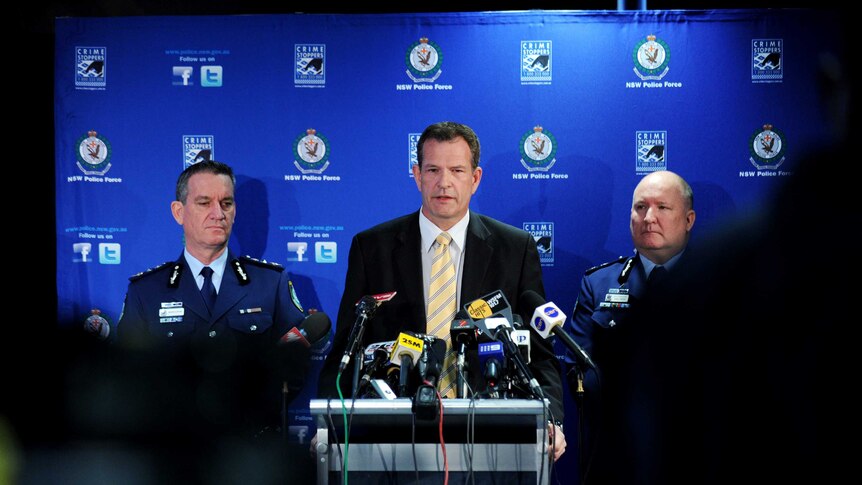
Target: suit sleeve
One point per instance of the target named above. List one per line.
(354, 289)
(543, 361)
(131, 328)
(582, 316)
(288, 315)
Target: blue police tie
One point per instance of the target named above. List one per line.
(208, 291)
(656, 275)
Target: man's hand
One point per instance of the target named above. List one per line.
(556, 441)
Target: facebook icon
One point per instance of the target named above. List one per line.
(300, 248)
(182, 74)
(211, 76)
(84, 250)
(109, 253)
(326, 252)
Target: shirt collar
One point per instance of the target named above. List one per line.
(217, 266)
(668, 265)
(429, 231)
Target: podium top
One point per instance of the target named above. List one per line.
(403, 405)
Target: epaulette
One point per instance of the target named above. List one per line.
(140, 275)
(621, 259)
(262, 263)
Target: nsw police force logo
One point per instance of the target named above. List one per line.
(538, 150)
(651, 57)
(536, 62)
(767, 148)
(766, 65)
(197, 148)
(651, 149)
(424, 60)
(412, 151)
(311, 152)
(309, 60)
(94, 154)
(543, 234)
(90, 68)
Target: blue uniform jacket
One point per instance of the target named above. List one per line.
(608, 293)
(255, 302)
(230, 361)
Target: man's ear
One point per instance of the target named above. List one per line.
(177, 211)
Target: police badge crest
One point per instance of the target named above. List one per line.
(311, 152)
(651, 58)
(94, 154)
(538, 150)
(767, 148)
(97, 325)
(424, 60)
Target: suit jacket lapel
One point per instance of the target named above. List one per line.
(477, 258)
(408, 264)
(230, 291)
(188, 286)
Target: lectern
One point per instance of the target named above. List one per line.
(501, 439)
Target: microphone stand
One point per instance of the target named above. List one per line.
(364, 310)
(579, 402)
(357, 368)
(461, 383)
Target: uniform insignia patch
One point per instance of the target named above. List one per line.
(294, 298)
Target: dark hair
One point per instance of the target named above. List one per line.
(208, 166)
(448, 131)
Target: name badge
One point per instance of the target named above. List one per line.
(172, 312)
(616, 298)
(171, 304)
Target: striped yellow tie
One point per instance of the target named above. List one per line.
(442, 306)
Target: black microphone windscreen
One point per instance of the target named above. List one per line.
(530, 300)
(316, 327)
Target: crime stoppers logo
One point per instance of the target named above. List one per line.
(94, 154)
(311, 152)
(651, 57)
(90, 68)
(308, 61)
(538, 150)
(536, 62)
(424, 60)
(543, 234)
(651, 149)
(767, 148)
(197, 148)
(766, 65)
(412, 151)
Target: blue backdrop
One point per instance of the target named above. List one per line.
(319, 115)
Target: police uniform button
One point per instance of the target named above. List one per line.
(170, 334)
(253, 328)
(212, 333)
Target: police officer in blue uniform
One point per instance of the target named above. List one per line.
(662, 217)
(220, 325)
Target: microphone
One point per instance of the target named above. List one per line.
(433, 357)
(491, 361)
(365, 308)
(547, 319)
(502, 333)
(489, 305)
(407, 350)
(522, 340)
(381, 357)
(313, 330)
(463, 332)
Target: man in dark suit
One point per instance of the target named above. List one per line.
(488, 255)
(221, 330)
(662, 217)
